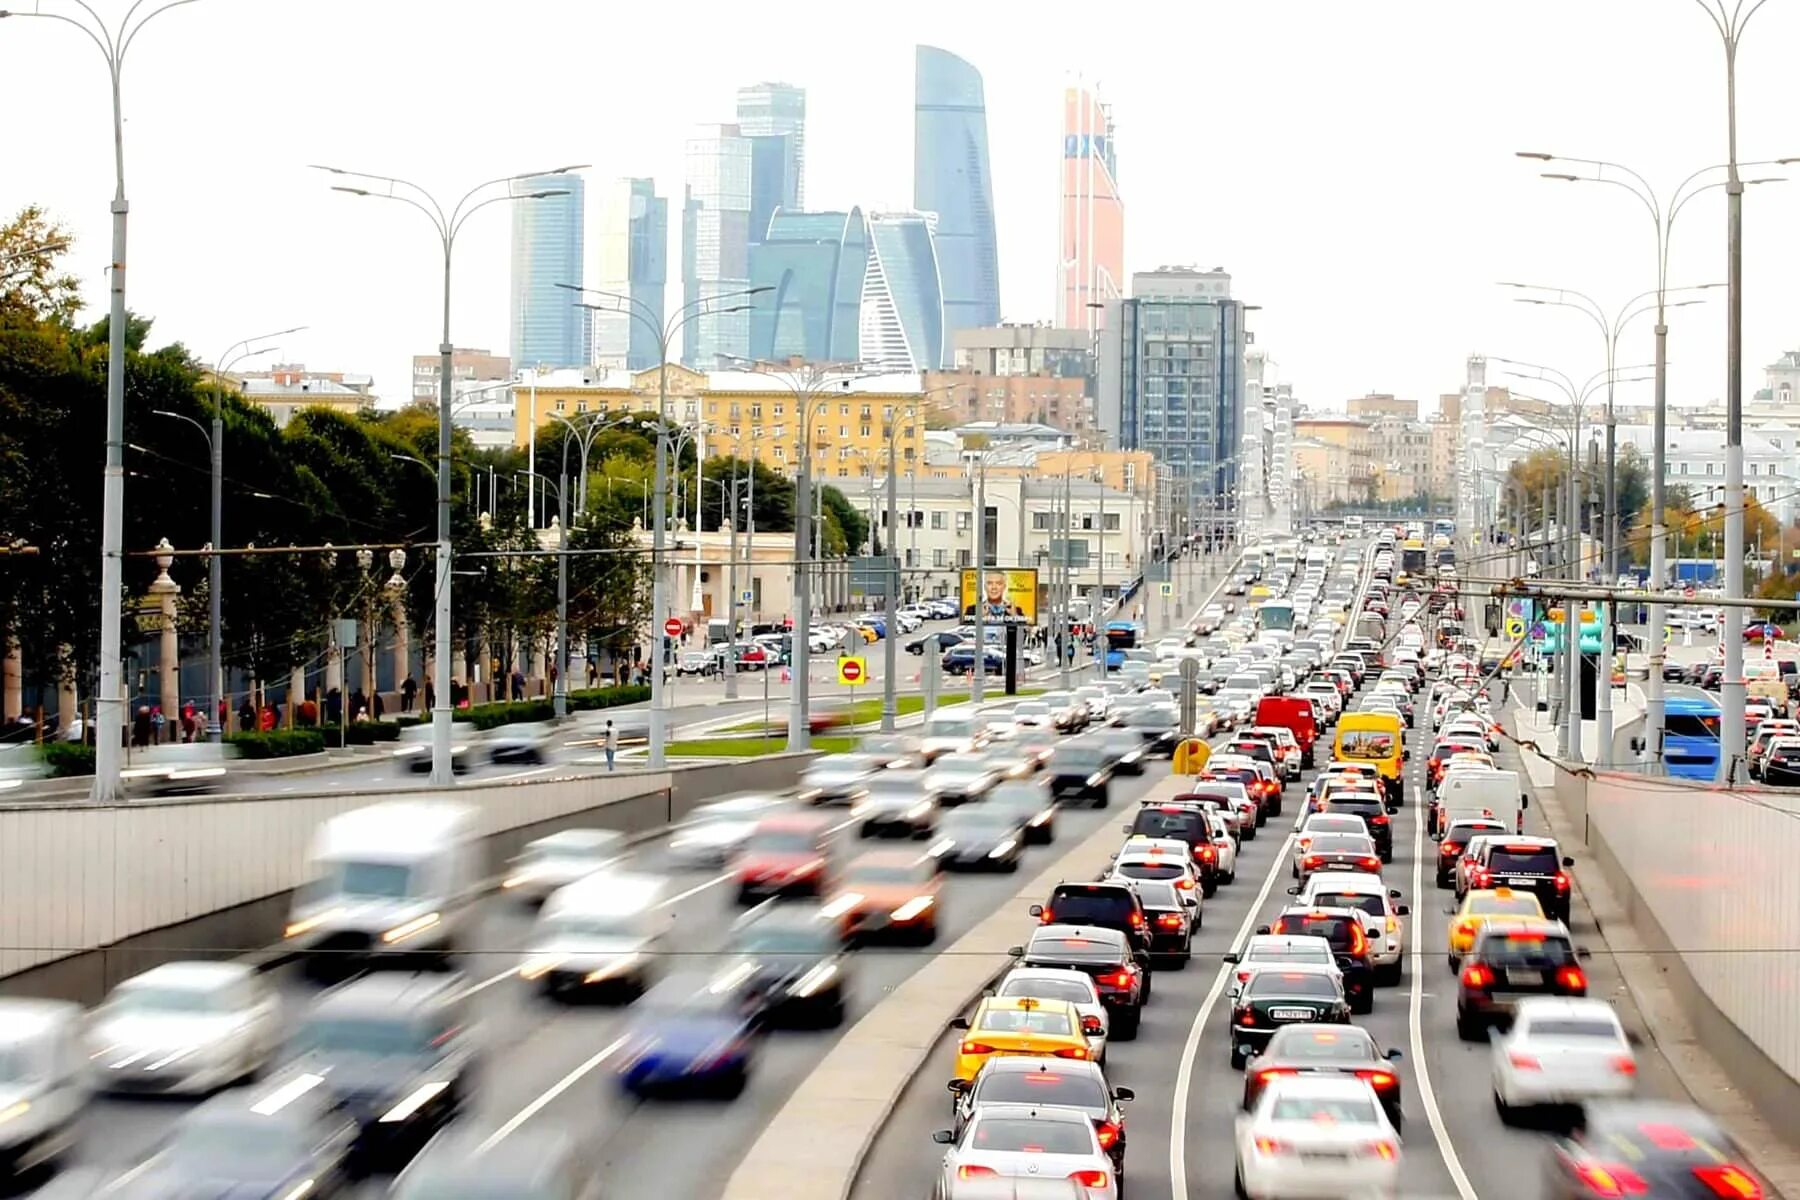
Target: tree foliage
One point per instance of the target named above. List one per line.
(33, 288)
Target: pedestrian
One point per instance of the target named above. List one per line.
(157, 724)
(593, 672)
(409, 691)
(247, 716)
(380, 706)
(612, 744)
(266, 720)
(430, 695)
(140, 726)
(334, 706)
(518, 684)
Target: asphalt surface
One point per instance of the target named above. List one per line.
(547, 1064)
(1180, 1129)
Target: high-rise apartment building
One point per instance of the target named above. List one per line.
(633, 264)
(904, 315)
(951, 179)
(548, 326)
(813, 265)
(715, 244)
(1171, 379)
(1091, 255)
(773, 117)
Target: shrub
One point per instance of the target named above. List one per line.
(361, 733)
(278, 743)
(67, 759)
(587, 699)
(491, 716)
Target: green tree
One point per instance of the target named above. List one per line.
(846, 530)
(33, 287)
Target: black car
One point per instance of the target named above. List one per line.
(1158, 726)
(1172, 921)
(1526, 864)
(1507, 964)
(789, 962)
(1343, 928)
(1030, 804)
(1107, 903)
(1187, 824)
(1035, 1081)
(1295, 994)
(1648, 1148)
(1125, 748)
(1781, 764)
(397, 1054)
(979, 837)
(1456, 840)
(1118, 970)
(1081, 770)
(1376, 814)
(941, 640)
(1327, 1049)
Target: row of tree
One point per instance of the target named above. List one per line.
(326, 478)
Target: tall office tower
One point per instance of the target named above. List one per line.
(951, 179)
(813, 265)
(634, 268)
(904, 317)
(547, 322)
(715, 245)
(1091, 256)
(773, 117)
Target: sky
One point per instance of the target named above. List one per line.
(1350, 162)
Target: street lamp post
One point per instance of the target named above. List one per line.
(447, 224)
(109, 704)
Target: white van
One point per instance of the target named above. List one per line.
(955, 730)
(392, 879)
(602, 933)
(43, 1082)
(1495, 794)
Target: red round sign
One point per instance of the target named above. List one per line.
(851, 671)
(673, 627)
(1688, 591)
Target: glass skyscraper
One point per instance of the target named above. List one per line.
(633, 262)
(548, 325)
(951, 178)
(813, 264)
(773, 117)
(903, 324)
(715, 244)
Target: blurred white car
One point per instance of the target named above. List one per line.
(1562, 1050)
(560, 859)
(1317, 1136)
(713, 832)
(184, 1027)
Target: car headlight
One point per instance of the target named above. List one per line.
(540, 965)
(841, 905)
(1096, 779)
(1000, 851)
(912, 908)
(919, 810)
(401, 932)
(942, 848)
(308, 924)
(15, 1110)
(417, 1099)
(622, 963)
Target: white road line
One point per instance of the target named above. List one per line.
(558, 1088)
(1185, 1075)
(1446, 1148)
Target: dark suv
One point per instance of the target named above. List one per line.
(1526, 864)
(1375, 815)
(1184, 823)
(1106, 954)
(1111, 904)
(1343, 928)
(1081, 769)
(1507, 964)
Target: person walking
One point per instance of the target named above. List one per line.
(611, 743)
(409, 691)
(158, 723)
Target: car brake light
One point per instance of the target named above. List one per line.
(1108, 1133)
(1273, 1073)
(1090, 1026)
(1378, 819)
(1208, 854)
(1449, 849)
(1571, 978)
(1562, 881)
(1380, 1080)
(1728, 1181)
(1118, 979)
(972, 1171)
(1481, 878)
(1048, 917)
(1359, 945)
(1310, 861)
(1384, 1150)
(977, 1048)
(1373, 864)
(1169, 920)
(1090, 1179)
(1476, 975)
(1610, 1182)
(1268, 1145)
(1137, 920)
(1525, 1062)
(1072, 1052)
(1246, 1016)
(1624, 1065)
(1186, 885)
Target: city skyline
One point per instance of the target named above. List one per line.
(1417, 208)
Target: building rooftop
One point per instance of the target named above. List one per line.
(892, 383)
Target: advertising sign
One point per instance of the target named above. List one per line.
(1006, 594)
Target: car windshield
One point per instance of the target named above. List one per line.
(782, 937)
(1336, 930)
(1143, 869)
(1091, 908)
(372, 1037)
(1288, 954)
(973, 822)
(1157, 823)
(1344, 1042)
(1341, 843)
(244, 1145)
(1023, 1135)
(1044, 1086)
(1518, 860)
(375, 880)
(1074, 991)
(564, 852)
(1365, 743)
(781, 841)
(1505, 906)
(1030, 1021)
(1329, 824)
(950, 727)
(1361, 901)
(963, 766)
(16, 1064)
(155, 998)
(1155, 716)
(1292, 983)
(1075, 949)
(1518, 948)
(1077, 758)
(1572, 1027)
(888, 872)
(1152, 894)
(591, 925)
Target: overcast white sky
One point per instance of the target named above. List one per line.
(1349, 161)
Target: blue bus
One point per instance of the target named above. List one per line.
(1691, 721)
(1120, 637)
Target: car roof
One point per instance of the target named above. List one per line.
(387, 993)
(1564, 1006)
(1065, 974)
(1349, 882)
(1287, 941)
(26, 1020)
(1098, 934)
(196, 975)
(1024, 1004)
(577, 839)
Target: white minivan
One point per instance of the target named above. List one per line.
(43, 1082)
(600, 934)
(1485, 793)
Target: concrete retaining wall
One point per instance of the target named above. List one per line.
(90, 895)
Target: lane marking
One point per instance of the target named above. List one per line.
(1185, 1075)
(558, 1088)
(1439, 1132)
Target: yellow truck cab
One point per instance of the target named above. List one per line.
(1375, 738)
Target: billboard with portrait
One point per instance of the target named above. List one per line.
(1005, 594)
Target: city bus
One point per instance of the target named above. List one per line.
(1443, 527)
(1275, 614)
(1412, 557)
(1691, 720)
(1120, 637)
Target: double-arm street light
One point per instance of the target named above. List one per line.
(215, 448)
(447, 224)
(663, 331)
(114, 43)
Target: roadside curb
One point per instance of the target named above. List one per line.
(817, 1141)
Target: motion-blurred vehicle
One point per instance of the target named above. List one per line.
(838, 778)
(559, 859)
(43, 1083)
(713, 833)
(687, 1035)
(888, 893)
(1125, 748)
(1651, 1149)
(956, 730)
(786, 854)
(598, 936)
(1081, 770)
(896, 802)
(1017, 1142)
(1329, 1050)
(1029, 803)
(414, 751)
(1489, 908)
(183, 769)
(1032, 1081)
(184, 1028)
(789, 964)
(961, 779)
(697, 662)
(1561, 1051)
(1312, 1136)
(524, 742)
(531, 1164)
(901, 751)
(975, 837)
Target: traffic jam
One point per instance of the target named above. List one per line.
(1067, 1080)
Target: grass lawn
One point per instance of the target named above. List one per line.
(749, 747)
(867, 712)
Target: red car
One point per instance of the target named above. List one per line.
(1762, 631)
(786, 855)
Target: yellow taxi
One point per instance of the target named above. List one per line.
(1484, 907)
(868, 632)
(1007, 1026)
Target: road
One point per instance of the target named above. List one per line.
(1180, 1128)
(546, 1063)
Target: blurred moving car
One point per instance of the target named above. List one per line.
(789, 964)
(1081, 769)
(786, 854)
(888, 893)
(184, 1027)
(1561, 1051)
(559, 859)
(524, 742)
(713, 833)
(1652, 1149)
(688, 1035)
(599, 935)
(183, 769)
(960, 779)
(414, 751)
(1030, 804)
(838, 778)
(43, 1082)
(531, 1164)
(974, 837)
(896, 802)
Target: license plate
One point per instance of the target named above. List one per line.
(1323, 1155)
(1523, 881)
(1518, 977)
(1291, 1014)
